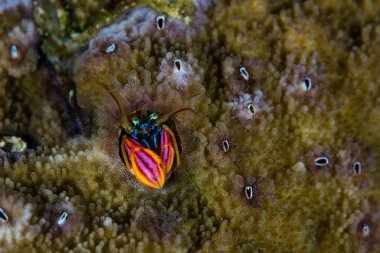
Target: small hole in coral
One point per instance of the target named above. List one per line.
(226, 146)
(14, 51)
(3, 215)
(321, 161)
(357, 168)
(244, 73)
(307, 84)
(160, 22)
(248, 192)
(366, 230)
(177, 64)
(111, 48)
(252, 109)
(64, 216)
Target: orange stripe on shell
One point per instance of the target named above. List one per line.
(167, 151)
(146, 164)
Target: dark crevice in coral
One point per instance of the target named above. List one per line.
(15, 91)
(83, 49)
(355, 34)
(112, 4)
(214, 94)
(277, 6)
(72, 118)
(108, 7)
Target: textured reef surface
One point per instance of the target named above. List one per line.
(280, 154)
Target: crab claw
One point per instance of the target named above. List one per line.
(167, 151)
(145, 164)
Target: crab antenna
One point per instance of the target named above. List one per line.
(124, 123)
(165, 117)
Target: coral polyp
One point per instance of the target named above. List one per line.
(18, 39)
(189, 126)
(256, 192)
(365, 230)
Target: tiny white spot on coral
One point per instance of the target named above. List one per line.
(299, 167)
(14, 52)
(71, 96)
(366, 230)
(107, 221)
(110, 49)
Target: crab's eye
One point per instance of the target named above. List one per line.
(153, 116)
(135, 121)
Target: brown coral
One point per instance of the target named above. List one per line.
(355, 165)
(18, 38)
(221, 147)
(275, 79)
(366, 230)
(158, 223)
(19, 213)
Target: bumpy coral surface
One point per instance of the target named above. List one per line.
(280, 151)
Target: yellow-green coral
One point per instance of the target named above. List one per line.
(241, 66)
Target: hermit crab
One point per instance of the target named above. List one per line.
(148, 144)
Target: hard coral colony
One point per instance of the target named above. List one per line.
(189, 126)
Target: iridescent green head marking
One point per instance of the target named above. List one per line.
(135, 121)
(153, 116)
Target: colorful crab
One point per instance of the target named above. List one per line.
(148, 145)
